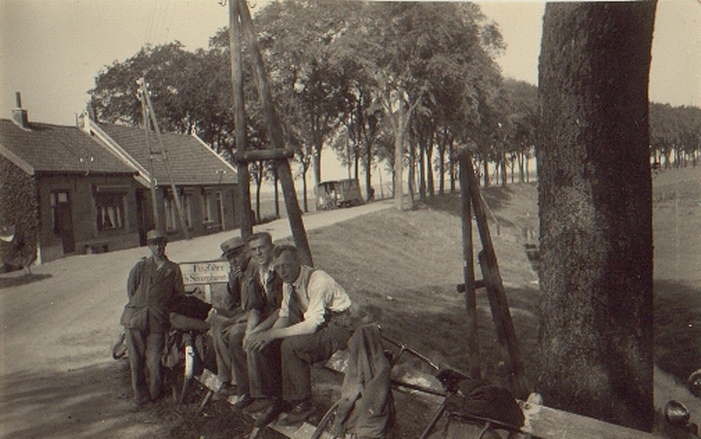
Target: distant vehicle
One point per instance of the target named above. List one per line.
(335, 194)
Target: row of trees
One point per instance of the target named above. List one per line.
(401, 85)
(675, 135)
(393, 85)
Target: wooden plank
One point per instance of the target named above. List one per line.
(541, 421)
(503, 324)
(264, 154)
(473, 359)
(549, 423)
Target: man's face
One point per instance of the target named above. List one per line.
(287, 266)
(261, 251)
(238, 258)
(157, 247)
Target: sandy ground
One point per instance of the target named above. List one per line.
(58, 378)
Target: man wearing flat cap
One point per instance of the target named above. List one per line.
(152, 286)
(227, 330)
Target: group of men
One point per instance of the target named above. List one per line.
(278, 318)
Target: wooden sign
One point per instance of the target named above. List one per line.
(205, 272)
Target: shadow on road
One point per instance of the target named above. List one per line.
(87, 402)
(677, 328)
(26, 278)
(95, 401)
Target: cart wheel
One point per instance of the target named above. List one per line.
(323, 430)
(119, 348)
(188, 369)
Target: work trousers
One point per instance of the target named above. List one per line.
(301, 351)
(264, 371)
(145, 351)
(231, 357)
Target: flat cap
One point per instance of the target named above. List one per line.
(231, 245)
(155, 235)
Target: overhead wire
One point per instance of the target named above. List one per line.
(150, 21)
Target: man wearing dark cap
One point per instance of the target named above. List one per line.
(152, 285)
(227, 332)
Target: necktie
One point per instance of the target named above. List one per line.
(295, 308)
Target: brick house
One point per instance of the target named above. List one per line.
(85, 195)
(206, 183)
(92, 185)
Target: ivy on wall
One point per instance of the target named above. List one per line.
(19, 207)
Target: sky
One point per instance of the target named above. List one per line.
(51, 50)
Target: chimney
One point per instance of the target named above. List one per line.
(19, 115)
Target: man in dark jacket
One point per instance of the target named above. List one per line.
(231, 321)
(152, 285)
(261, 297)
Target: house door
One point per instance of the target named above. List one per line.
(65, 225)
(141, 215)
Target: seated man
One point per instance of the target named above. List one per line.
(230, 321)
(313, 323)
(262, 295)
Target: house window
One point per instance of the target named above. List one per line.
(171, 209)
(206, 207)
(186, 202)
(56, 198)
(171, 213)
(110, 210)
(219, 205)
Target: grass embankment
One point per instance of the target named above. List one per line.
(403, 268)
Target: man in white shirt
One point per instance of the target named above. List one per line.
(313, 323)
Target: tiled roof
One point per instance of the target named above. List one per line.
(191, 161)
(54, 148)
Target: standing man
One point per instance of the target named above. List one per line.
(313, 323)
(152, 285)
(226, 331)
(261, 297)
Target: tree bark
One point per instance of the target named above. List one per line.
(595, 196)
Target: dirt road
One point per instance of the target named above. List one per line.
(58, 329)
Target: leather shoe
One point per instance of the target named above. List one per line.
(298, 413)
(270, 414)
(244, 401)
(227, 389)
(138, 404)
(256, 406)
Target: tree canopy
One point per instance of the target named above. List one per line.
(399, 84)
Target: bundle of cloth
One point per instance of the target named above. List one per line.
(366, 408)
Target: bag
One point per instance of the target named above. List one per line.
(479, 398)
(190, 306)
(135, 318)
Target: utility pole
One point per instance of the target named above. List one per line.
(473, 358)
(240, 119)
(173, 188)
(152, 178)
(294, 213)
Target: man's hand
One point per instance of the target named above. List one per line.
(236, 271)
(259, 340)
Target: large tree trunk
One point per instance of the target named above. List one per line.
(595, 196)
